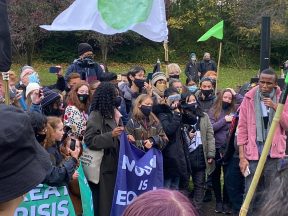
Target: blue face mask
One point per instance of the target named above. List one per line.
(192, 88)
(33, 78)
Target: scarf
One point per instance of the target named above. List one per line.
(262, 111)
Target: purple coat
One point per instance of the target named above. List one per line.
(220, 126)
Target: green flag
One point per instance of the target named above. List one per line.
(216, 31)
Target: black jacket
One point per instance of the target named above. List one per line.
(207, 66)
(174, 161)
(192, 70)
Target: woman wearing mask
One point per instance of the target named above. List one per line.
(57, 175)
(159, 84)
(174, 71)
(144, 129)
(174, 162)
(103, 129)
(75, 116)
(221, 116)
(199, 139)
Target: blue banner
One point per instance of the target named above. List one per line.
(138, 172)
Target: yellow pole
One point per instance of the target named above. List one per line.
(218, 66)
(262, 161)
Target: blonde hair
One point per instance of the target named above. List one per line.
(52, 123)
(173, 67)
(137, 114)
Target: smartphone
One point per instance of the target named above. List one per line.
(247, 172)
(72, 144)
(149, 77)
(54, 69)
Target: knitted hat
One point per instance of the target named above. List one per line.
(158, 76)
(84, 47)
(49, 97)
(25, 70)
(31, 87)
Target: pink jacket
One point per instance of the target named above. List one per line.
(247, 128)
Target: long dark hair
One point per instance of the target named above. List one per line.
(185, 97)
(217, 107)
(103, 99)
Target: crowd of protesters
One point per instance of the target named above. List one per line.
(202, 131)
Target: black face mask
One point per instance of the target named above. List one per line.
(191, 107)
(83, 98)
(146, 110)
(207, 93)
(225, 105)
(139, 83)
(40, 137)
(117, 101)
(189, 118)
(174, 76)
(54, 112)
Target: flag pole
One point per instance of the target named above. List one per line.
(218, 66)
(166, 53)
(265, 152)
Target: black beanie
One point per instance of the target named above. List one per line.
(84, 47)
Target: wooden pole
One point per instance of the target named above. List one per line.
(218, 66)
(265, 152)
(165, 44)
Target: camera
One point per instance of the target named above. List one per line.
(86, 62)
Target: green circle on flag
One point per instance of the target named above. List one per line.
(121, 14)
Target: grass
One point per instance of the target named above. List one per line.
(228, 77)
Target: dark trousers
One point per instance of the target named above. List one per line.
(267, 177)
(235, 184)
(216, 181)
(198, 178)
(95, 195)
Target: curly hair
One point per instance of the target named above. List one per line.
(73, 99)
(103, 99)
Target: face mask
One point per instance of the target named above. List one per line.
(174, 76)
(55, 112)
(146, 110)
(117, 102)
(207, 93)
(192, 88)
(139, 83)
(40, 137)
(83, 98)
(191, 107)
(225, 105)
(33, 78)
(179, 90)
(161, 87)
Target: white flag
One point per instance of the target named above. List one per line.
(146, 17)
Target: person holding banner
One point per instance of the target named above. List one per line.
(198, 136)
(103, 129)
(144, 130)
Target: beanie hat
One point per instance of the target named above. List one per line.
(193, 55)
(158, 76)
(24, 70)
(84, 47)
(31, 87)
(49, 97)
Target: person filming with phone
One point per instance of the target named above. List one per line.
(85, 65)
(256, 114)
